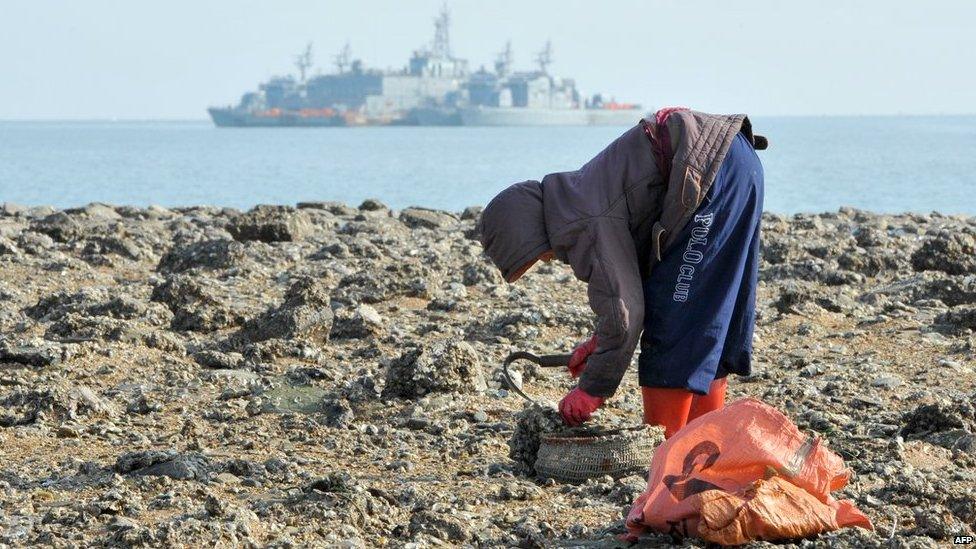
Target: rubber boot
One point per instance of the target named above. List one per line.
(715, 399)
(666, 407)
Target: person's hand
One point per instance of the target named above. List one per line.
(578, 406)
(582, 351)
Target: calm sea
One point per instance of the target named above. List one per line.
(814, 164)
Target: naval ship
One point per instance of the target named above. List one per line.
(435, 88)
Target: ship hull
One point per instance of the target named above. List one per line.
(517, 116)
(432, 116)
(235, 118)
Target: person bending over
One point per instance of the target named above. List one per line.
(663, 226)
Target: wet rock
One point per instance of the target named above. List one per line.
(166, 463)
(288, 398)
(952, 252)
(271, 224)
(305, 313)
(443, 366)
(426, 218)
(219, 253)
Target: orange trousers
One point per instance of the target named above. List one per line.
(673, 408)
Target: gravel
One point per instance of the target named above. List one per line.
(327, 375)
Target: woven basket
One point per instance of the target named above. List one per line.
(618, 453)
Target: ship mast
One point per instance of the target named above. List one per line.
(544, 58)
(304, 60)
(442, 36)
(342, 59)
(503, 63)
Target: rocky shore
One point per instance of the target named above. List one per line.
(329, 375)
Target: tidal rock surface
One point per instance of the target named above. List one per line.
(327, 375)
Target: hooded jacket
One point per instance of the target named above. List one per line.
(610, 221)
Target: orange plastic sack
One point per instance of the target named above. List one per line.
(741, 473)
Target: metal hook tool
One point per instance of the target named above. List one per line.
(544, 361)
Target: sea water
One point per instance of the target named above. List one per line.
(884, 164)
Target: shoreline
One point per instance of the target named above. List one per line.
(326, 373)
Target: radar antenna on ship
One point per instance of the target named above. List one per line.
(304, 61)
(503, 63)
(544, 58)
(342, 59)
(442, 34)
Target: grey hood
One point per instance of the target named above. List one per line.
(513, 227)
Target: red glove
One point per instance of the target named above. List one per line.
(578, 405)
(582, 351)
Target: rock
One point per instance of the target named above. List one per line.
(410, 279)
(363, 322)
(305, 313)
(271, 224)
(952, 252)
(335, 208)
(471, 213)
(886, 382)
(95, 210)
(12, 209)
(7, 247)
(791, 296)
(61, 227)
(166, 463)
(531, 424)
(218, 360)
(480, 272)
(372, 205)
(32, 354)
(933, 418)
(958, 319)
(443, 366)
(440, 526)
(219, 253)
(201, 304)
(35, 243)
(427, 219)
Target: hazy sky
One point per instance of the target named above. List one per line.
(140, 59)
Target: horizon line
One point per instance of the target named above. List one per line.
(808, 115)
